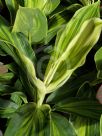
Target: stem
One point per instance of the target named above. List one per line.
(40, 91)
(40, 98)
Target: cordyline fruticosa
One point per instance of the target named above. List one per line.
(53, 52)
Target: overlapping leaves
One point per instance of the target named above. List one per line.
(69, 53)
(17, 46)
(34, 121)
(73, 43)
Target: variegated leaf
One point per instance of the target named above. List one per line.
(12, 6)
(30, 120)
(72, 45)
(47, 6)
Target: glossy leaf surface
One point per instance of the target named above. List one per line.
(67, 55)
(36, 30)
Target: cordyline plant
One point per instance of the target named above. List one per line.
(47, 91)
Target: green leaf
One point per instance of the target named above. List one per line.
(17, 95)
(1, 4)
(46, 6)
(7, 108)
(12, 67)
(6, 78)
(86, 91)
(69, 53)
(14, 41)
(34, 121)
(98, 61)
(16, 45)
(19, 98)
(86, 127)
(18, 85)
(21, 2)
(82, 107)
(32, 23)
(6, 89)
(101, 126)
(59, 22)
(30, 121)
(70, 88)
(59, 19)
(12, 6)
(86, 2)
(3, 21)
(60, 126)
(2, 53)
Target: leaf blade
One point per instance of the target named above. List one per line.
(36, 30)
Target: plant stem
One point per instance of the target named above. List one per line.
(40, 98)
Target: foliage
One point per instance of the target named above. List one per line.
(52, 50)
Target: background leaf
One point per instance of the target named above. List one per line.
(12, 6)
(70, 88)
(46, 6)
(36, 30)
(86, 126)
(83, 125)
(6, 78)
(82, 107)
(7, 108)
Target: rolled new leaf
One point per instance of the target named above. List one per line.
(64, 37)
(75, 54)
(71, 29)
